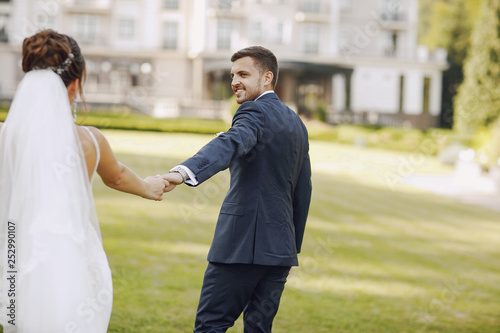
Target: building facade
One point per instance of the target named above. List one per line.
(353, 60)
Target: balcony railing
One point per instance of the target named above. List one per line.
(100, 7)
(93, 3)
(97, 40)
(225, 5)
(387, 15)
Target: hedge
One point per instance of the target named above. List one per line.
(429, 142)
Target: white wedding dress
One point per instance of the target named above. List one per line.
(55, 276)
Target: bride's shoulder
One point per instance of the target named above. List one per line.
(97, 134)
(94, 130)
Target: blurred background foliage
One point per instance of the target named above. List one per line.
(470, 31)
(477, 104)
(448, 24)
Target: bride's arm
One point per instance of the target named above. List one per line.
(119, 177)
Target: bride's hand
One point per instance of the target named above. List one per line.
(155, 187)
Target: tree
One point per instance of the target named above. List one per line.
(478, 102)
(478, 99)
(448, 24)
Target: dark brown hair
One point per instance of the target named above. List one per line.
(264, 59)
(49, 49)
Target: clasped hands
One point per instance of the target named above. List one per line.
(160, 184)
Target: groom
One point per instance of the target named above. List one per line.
(262, 219)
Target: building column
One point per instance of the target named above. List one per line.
(339, 92)
(198, 78)
(341, 96)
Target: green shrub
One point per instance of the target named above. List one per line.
(125, 120)
(487, 143)
(429, 142)
(321, 112)
(3, 111)
(145, 123)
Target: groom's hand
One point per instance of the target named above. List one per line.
(174, 178)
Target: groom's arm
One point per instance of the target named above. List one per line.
(247, 128)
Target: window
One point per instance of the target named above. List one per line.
(392, 10)
(45, 21)
(83, 2)
(170, 35)
(390, 41)
(126, 28)
(280, 28)
(344, 39)
(272, 2)
(310, 6)
(224, 27)
(401, 92)
(171, 4)
(87, 28)
(120, 80)
(427, 94)
(394, 40)
(256, 32)
(311, 38)
(4, 23)
(224, 4)
(345, 5)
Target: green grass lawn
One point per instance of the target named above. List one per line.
(378, 256)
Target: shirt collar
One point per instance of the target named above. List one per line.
(265, 92)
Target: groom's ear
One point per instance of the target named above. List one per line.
(268, 78)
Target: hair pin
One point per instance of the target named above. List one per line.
(62, 67)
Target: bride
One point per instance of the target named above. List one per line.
(55, 276)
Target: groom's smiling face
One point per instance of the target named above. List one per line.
(247, 80)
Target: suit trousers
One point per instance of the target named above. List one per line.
(230, 289)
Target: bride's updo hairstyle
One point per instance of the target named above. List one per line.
(61, 53)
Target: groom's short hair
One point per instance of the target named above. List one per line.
(263, 58)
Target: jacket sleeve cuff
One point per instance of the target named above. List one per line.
(192, 177)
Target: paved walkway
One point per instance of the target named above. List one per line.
(476, 189)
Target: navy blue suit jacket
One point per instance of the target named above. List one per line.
(263, 216)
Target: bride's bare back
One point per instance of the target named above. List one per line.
(113, 173)
(89, 149)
